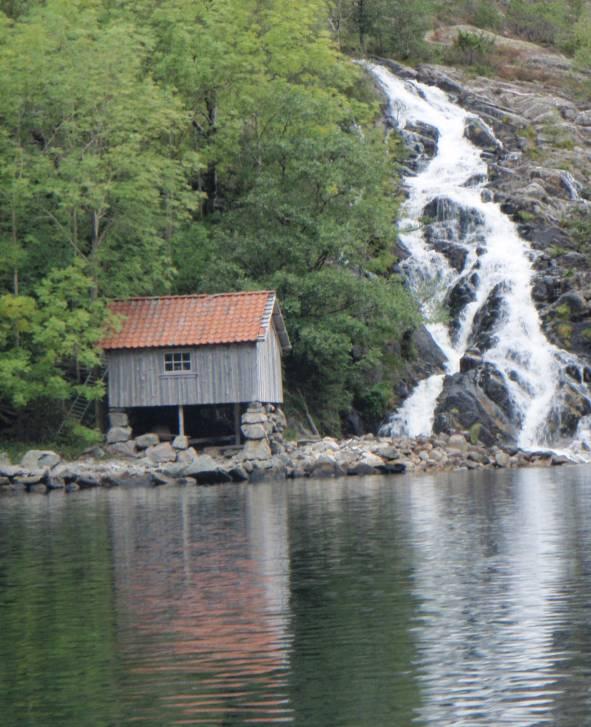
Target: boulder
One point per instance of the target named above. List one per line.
(118, 419)
(181, 442)
(87, 480)
(122, 449)
(116, 435)
(250, 417)
(206, 470)
(481, 135)
(39, 458)
(161, 453)
(256, 449)
(325, 466)
(147, 440)
(55, 483)
(465, 403)
(11, 470)
(184, 456)
(502, 459)
(368, 464)
(387, 451)
(32, 478)
(126, 479)
(186, 481)
(253, 431)
(458, 442)
(159, 479)
(237, 473)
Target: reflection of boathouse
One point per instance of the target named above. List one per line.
(171, 356)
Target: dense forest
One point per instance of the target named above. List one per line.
(178, 146)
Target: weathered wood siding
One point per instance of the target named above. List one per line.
(270, 384)
(219, 375)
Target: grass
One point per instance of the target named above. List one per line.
(78, 440)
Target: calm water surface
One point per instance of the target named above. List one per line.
(461, 599)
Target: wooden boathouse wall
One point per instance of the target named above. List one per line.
(220, 374)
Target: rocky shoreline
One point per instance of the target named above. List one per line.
(162, 464)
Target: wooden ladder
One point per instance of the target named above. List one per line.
(80, 405)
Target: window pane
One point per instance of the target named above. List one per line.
(177, 361)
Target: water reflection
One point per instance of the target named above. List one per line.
(493, 574)
(462, 599)
(208, 587)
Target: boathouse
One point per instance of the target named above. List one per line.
(190, 361)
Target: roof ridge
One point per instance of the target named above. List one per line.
(191, 295)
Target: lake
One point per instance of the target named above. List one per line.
(456, 599)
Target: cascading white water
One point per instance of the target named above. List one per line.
(496, 257)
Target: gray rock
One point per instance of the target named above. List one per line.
(254, 418)
(176, 469)
(30, 479)
(181, 442)
(186, 481)
(256, 449)
(325, 466)
(237, 473)
(502, 459)
(118, 419)
(122, 449)
(253, 431)
(55, 483)
(4, 481)
(477, 397)
(458, 442)
(362, 468)
(206, 470)
(583, 118)
(147, 440)
(478, 133)
(116, 435)
(38, 458)
(10, 470)
(161, 453)
(88, 480)
(186, 455)
(159, 479)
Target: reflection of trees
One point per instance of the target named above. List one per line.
(205, 586)
(58, 650)
(351, 606)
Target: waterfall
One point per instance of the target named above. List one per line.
(472, 274)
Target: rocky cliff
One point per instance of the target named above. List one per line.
(539, 160)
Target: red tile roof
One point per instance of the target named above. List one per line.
(191, 320)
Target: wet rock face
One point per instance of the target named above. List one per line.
(572, 404)
(539, 177)
(463, 293)
(450, 229)
(488, 317)
(477, 400)
(481, 136)
(427, 359)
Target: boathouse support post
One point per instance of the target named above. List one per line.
(237, 424)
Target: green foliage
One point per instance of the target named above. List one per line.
(197, 145)
(474, 433)
(385, 27)
(550, 22)
(473, 49)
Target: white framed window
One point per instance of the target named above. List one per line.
(175, 361)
